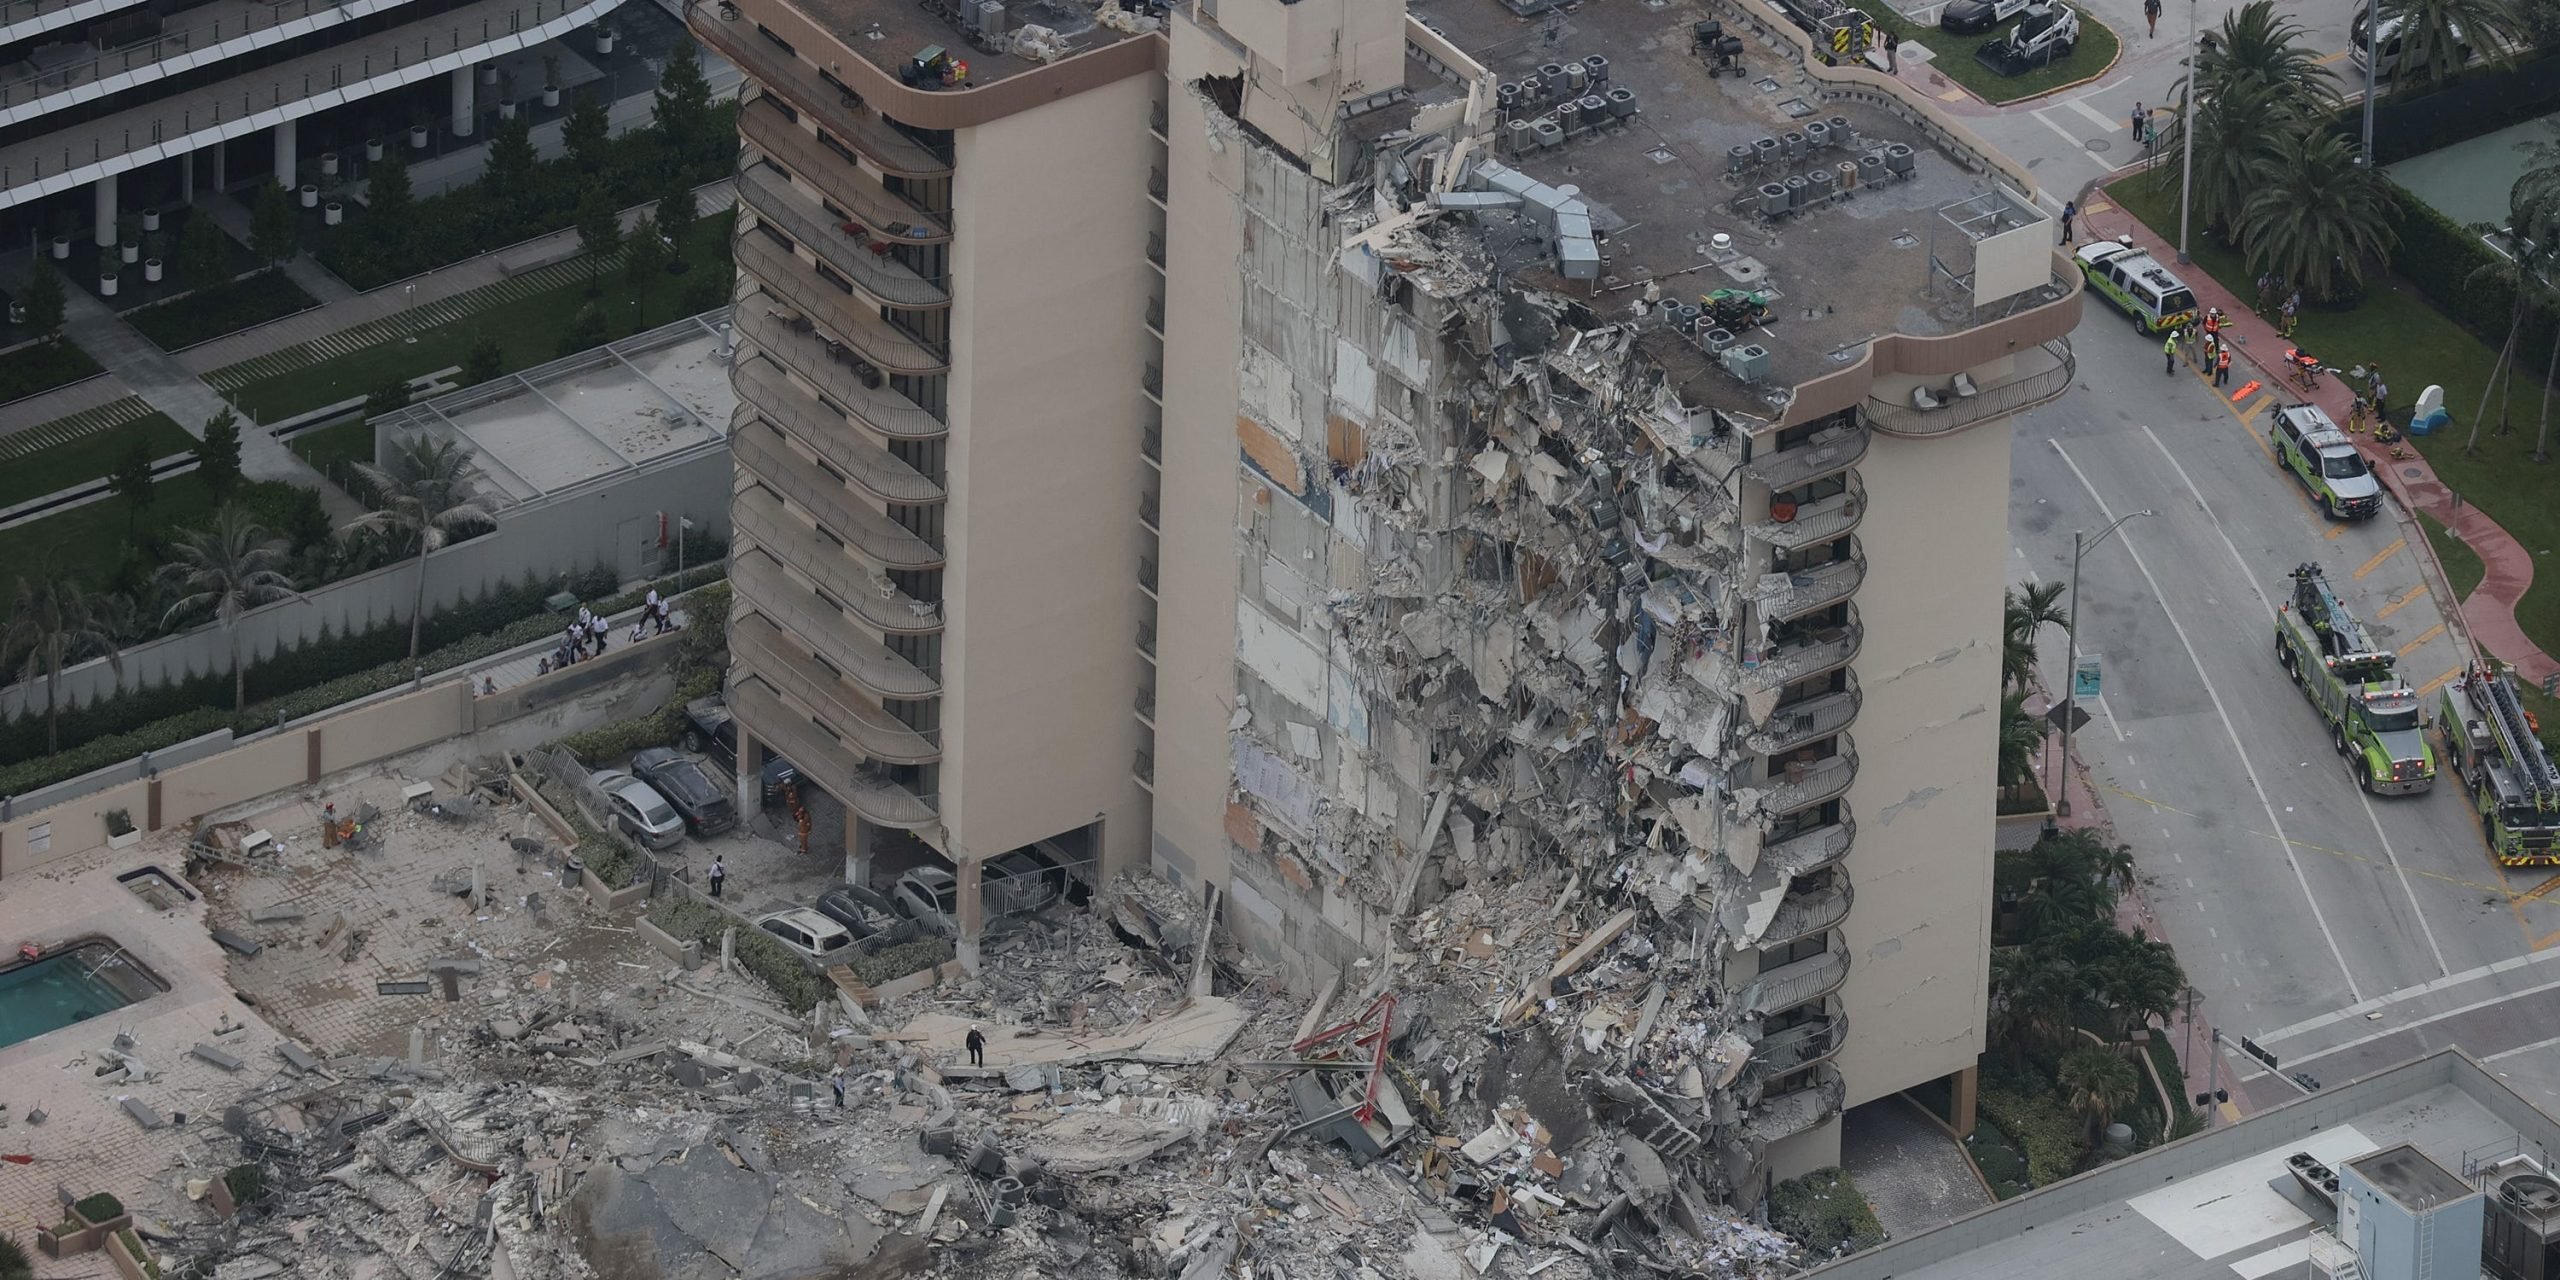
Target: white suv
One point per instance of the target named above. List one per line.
(809, 933)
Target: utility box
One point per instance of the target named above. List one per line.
(2408, 1218)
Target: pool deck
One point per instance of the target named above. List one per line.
(88, 1142)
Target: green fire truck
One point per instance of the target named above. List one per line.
(2371, 713)
(2492, 742)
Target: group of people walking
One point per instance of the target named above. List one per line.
(584, 637)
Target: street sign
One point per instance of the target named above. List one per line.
(2062, 711)
(2084, 677)
(2255, 1050)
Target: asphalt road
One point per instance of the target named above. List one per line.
(2085, 134)
(2288, 893)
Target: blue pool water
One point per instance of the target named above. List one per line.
(61, 989)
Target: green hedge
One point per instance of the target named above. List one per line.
(2042, 1127)
(2001, 1163)
(764, 955)
(42, 366)
(1825, 1212)
(99, 1208)
(210, 313)
(298, 683)
(2441, 257)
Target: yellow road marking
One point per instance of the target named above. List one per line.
(2432, 685)
(2335, 533)
(2513, 898)
(2397, 545)
(2423, 637)
(2539, 890)
(2249, 415)
(1952, 95)
(2397, 601)
(2334, 58)
(2097, 206)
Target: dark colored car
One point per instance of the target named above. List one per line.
(1965, 16)
(688, 784)
(710, 730)
(867, 914)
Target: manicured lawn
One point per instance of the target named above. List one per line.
(1954, 57)
(89, 541)
(2419, 346)
(41, 367)
(2462, 565)
(337, 444)
(528, 328)
(33, 475)
(211, 313)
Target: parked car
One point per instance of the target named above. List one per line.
(710, 730)
(867, 914)
(810, 934)
(638, 810)
(1963, 17)
(1011, 886)
(688, 784)
(930, 896)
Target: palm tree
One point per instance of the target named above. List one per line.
(2140, 981)
(226, 569)
(2101, 1083)
(2435, 36)
(2024, 614)
(2530, 244)
(427, 493)
(2257, 44)
(2021, 737)
(2314, 216)
(2235, 132)
(55, 621)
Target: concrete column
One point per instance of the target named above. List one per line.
(857, 851)
(287, 153)
(750, 787)
(1965, 1088)
(187, 178)
(105, 191)
(973, 909)
(221, 157)
(464, 117)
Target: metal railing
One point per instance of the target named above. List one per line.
(1155, 248)
(1799, 1110)
(1808, 851)
(1803, 915)
(1826, 648)
(1956, 412)
(1156, 184)
(1146, 703)
(1797, 723)
(1795, 789)
(1789, 985)
(1814, 588)
(1153, 380)
(1149, 507)
(768, 130)
(1147, 638)
(1155, 315)
(1151, 445)
(1144, 767)
(1147, 573)
(867, 263)
(1158, 118)
(1818, 521)
(1835, 449)
(1800, 1046)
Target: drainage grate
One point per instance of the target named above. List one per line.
(2099, 144)
(1796, 108)
(1660, 155)
(1766, 86)
(1904, 240)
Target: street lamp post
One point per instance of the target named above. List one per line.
(2187, 165)
(2372, 41)
(2081, 545)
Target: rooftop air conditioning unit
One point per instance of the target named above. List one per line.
(1749, 362)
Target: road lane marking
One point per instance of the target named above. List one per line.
(2522, 1048)
(2402, 599)
(2423, 637)
(2432, 685)
(2229, 730)
(2404, 994)
(2332, 59)
(2397, 545)
(2360, 1041)
(2336, 532)
(2067, 135)
(2104, 122)
(2268, 606)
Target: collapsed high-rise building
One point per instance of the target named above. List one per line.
(1551, 459)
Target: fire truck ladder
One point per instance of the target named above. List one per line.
(2342, 635)
(2516, 740)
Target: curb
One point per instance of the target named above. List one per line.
(2041, 94)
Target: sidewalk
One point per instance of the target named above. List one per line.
(2489, 612)
(518, 666)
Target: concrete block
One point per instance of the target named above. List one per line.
(144, 1115)
(236, 944)
(217, 1057)
(299, 1058)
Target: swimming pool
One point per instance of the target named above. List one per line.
(81, 981)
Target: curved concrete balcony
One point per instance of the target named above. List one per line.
(1787, 986)
(1827, 453)
(1819, 651)
(1800, 1110)
(836, 109)
(862, 587)
(1802, 915)
(766, 654)
(1814, 522)
(798, 287)
(885, 280)
(872, 469)
(2041, 375)
(829, 368)
(1803, 1044)
(1816, 588)
(877, 603)
(869, 533)
(784, 142)
(1798, 788)
(1797, 723)
(823, 761)
(1806, 852)
(859, 658)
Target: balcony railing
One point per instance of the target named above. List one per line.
(836, 109)
(1147, 573)
(762, 520)
(1803, 915)
(865, 727)
(822, 760)
(873, 469)
(833, 369)
(1152, 378)
(1798, 787)
(1148, 505)
(1156, 185)
(878, 603)
(1155, 316)
(1155, 248)
(1797, 723)
(1816, 521)
(1820, 651)
(797, 286)
(866, 262)
(1806, 852)
(1831, 451)
(1147, 638)
(873, 534)
(1801, 1045)
(768, 130)
(1800, 1110)
(1157, 118)
(1815, 588)
(1151, 445)
(1144, 768)
(863, 660)
(1789, 985)
(1146, 704)
(2044, 375)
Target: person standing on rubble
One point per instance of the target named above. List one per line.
(719, 872)
(977, 1043)
(835, 1080)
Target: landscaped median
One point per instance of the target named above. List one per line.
(1952, 57)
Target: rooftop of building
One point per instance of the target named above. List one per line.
(1662, 185)
(892, 32)
(599, 413)
(2227, 1200)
